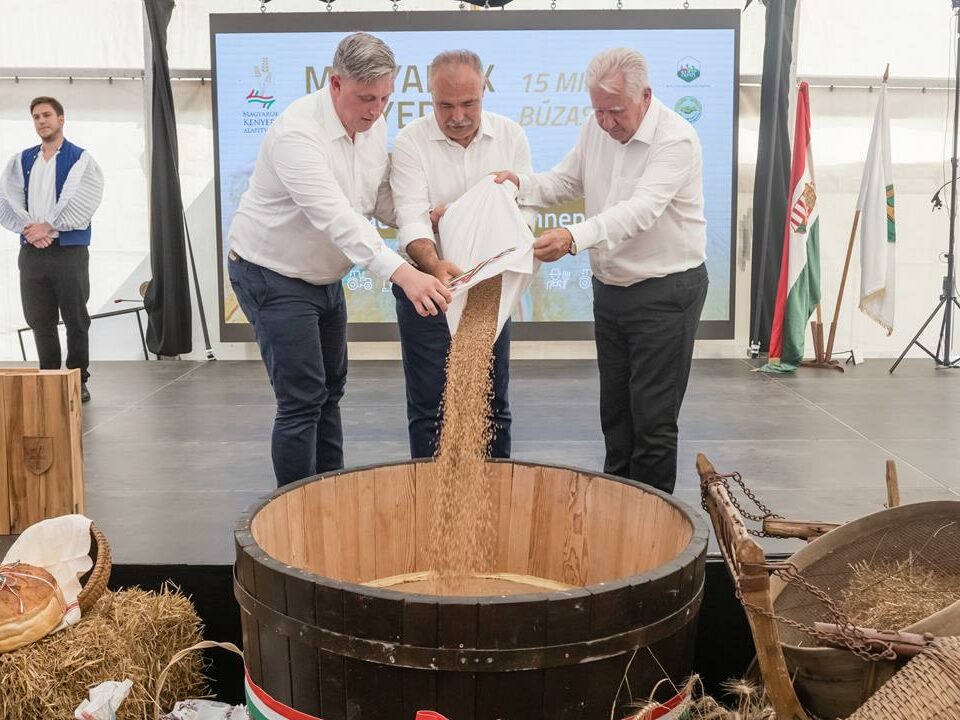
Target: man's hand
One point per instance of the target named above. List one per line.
(39, 234)
(428, 295)
(444, 271)
(424, 253)
(552, 245)
(510, 175)
(435, 216)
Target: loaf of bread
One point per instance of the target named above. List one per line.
(31, 605)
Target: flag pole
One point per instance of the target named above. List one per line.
(843, 283)
(826, 360)
(816, 329)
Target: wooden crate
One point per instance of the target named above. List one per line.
(41, 458)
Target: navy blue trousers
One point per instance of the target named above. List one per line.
(424, 342)
(302, 333)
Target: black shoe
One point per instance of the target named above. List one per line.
(84, 393)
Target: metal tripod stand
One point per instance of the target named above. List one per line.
(948, 295)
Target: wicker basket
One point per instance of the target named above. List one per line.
(95, 581)
(926, 687)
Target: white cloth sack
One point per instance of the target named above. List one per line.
(104, 701)
(484, 234)
(61, 546)
(206, 710)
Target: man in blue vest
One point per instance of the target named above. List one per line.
(48, 194)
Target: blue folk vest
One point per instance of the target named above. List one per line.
(66, 159)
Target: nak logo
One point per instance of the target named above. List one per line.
(688, 69)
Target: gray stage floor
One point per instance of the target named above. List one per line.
(174, 451)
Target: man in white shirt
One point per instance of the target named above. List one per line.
(48, 195)
(436, 159)
(321, 172)
(639, 169)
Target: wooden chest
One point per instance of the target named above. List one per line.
(41, 458)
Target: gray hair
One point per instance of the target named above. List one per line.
(619, 63)
(456, 57)
(364, 58)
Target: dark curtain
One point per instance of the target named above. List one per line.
(167, 301)
(771, 184)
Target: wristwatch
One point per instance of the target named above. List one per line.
(573, 246)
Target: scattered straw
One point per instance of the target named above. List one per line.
(130, 634)
(892, 595)
(745, 701)
(460, 544)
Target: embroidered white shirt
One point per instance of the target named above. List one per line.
(43, 187)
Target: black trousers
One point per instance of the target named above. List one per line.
(644, 334)
(54, 284)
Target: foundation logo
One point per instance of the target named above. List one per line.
(260, 95)
(257, 115)
(689, 108)
(688, 69)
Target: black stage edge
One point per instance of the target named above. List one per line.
(724, 646)
(210, 587)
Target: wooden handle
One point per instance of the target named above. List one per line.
(704, 467)
(893, 485)
(904, 644)
(162, 678)
(802, 529)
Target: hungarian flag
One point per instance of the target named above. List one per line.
(798, 291)
(878, 232)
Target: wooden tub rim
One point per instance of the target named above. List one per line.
(697, 545)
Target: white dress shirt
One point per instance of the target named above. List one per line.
(43, 188)
(429, 169)
(304, 214)
(643, 198)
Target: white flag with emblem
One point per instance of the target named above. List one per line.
(878, 235)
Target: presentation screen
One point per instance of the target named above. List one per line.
(535, 73)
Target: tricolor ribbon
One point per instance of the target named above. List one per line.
(260, 706)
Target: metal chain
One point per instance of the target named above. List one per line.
(329, 5)
(553, 4)
(723, 479)
(462, 6)
(619, 4)
(686, 5)
(850, 635)
(396, 5)
(263, 6)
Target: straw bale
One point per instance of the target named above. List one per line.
(130, 634)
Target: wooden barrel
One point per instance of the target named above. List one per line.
(317, 640)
